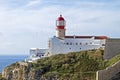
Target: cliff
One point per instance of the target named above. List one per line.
(72, 66)
(0, 76)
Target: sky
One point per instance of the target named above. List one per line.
(26, 24)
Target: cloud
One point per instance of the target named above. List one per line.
(23, 27)
(1, 34)
(33, 2)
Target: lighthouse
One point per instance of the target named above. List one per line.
(62, 44)
(60, 27)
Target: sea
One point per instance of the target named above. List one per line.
(6, 60)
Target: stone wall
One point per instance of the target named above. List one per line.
(109, 72)
(112, 48)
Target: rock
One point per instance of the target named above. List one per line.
(23, 71)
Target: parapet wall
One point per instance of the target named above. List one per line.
(112, 48)
(109, 72)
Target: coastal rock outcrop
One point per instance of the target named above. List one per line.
(69, 66)
(72, 66)
(21, 71)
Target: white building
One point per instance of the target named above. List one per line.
(36, 53)
(64, 44)
(75, 44)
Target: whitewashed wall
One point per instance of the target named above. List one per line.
(73, 44)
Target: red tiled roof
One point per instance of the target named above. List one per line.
(101, 37)
(96, 37)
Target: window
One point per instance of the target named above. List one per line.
(86, 43)
(80, 48)
(103, 44)
(69, 48)
(60, 23)
(67, 43)
(80, 43)
(76, 43)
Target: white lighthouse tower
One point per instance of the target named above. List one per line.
(60, 27)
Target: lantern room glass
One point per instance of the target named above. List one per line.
(60, 23)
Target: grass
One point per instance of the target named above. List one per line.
(113, 60)
(0, 76)
(73, 66)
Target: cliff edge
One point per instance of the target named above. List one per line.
(72, 66)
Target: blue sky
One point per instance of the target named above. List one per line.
(26, 24)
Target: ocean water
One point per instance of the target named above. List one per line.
(9, 59)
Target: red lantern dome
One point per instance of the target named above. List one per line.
(60, 18)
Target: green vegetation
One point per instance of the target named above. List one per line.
(113, 60)
(74, 65)
(0, 76)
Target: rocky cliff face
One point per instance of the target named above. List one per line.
(20, 71)
(71, 66)
(23, 71)
(57, 67)
(16, 71)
